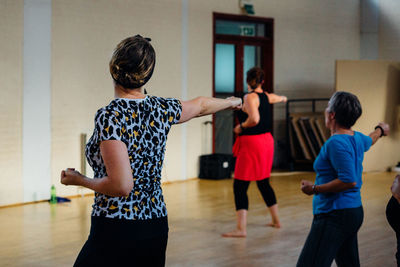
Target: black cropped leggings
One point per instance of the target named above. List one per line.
(240, 190)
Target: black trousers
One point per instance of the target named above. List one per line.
(332, 236)
(393, 217)
(114, 242)
(240, 191)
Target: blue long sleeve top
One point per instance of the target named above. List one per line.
(341, 157)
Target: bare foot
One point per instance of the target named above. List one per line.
(235, 233)
(275, 225)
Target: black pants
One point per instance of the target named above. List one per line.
(114, 242)
(332, 236)
(393, 217)
(240, 190)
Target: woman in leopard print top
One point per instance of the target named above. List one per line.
(126, 152)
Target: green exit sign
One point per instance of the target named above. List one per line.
(247, 30)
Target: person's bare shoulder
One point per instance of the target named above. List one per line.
(250, 97)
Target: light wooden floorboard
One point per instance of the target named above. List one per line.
(199, 211)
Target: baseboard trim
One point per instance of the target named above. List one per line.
(80, 195)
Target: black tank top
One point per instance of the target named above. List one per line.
(265, 123)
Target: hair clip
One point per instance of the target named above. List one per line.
(146, 38)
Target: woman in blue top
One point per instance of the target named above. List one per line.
(337, 207)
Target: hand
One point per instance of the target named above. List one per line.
(306, 187)
(237, 129)
(236, 102)
(284, 99)
(385, 127)
(70, 177)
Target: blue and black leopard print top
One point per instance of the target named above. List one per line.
(143, 125)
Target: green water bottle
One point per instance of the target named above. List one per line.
(53, 198)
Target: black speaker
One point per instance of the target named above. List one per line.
(216, 166)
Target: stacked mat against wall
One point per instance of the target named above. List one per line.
(307, 134)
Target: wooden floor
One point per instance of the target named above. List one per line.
(199, 211)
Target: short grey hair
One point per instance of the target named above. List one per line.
(347, 108)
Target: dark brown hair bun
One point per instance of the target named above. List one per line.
(132, 62)
(255, 76)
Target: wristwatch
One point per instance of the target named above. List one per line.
(314, 189)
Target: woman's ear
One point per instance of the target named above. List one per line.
(331, 116)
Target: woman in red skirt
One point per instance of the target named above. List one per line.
(254, 149)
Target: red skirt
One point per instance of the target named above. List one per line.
(255, 154)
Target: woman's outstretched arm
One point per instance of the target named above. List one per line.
(274, 98)
(201, 106)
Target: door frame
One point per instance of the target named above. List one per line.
(267, 53)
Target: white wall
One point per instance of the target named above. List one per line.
(304, 61)
(389, 29)
(84, 35)
(309, 36)
(11, 58)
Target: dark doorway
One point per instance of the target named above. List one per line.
(240, 43)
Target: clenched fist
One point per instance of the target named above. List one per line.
(71, 177)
